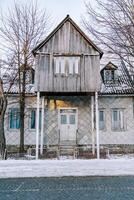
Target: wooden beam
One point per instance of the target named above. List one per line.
(68, 54)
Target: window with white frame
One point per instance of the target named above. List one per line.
(14, 118)
(117, 119)
(66, 65)
(33, 119)
(101, 120)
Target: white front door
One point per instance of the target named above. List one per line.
(68, 124)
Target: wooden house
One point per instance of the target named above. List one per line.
(68, 75)
(73, 106)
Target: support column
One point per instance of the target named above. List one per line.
(97, 125)
(42, 126)
(37, 125)
(92, 125)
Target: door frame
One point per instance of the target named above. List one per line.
(67, 108)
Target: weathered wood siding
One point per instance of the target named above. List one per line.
(67, 41)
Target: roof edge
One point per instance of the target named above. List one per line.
(67, 18)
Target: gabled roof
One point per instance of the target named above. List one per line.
(110, 65)
(121, 85)
(67, 18)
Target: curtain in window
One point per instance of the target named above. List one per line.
(17, 119)
(117, 120)
(67, 65)
(12, 124)
(33, 119)
(101, 120)
(14, 118)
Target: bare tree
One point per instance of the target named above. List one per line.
(6, 83)
(21, 30)
(3, 105)
(111, 23)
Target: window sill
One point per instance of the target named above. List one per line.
(13, 129)
(118, 130)
(32, 130)
(68, 75)
(103, 130)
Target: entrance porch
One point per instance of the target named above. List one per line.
(67, 124)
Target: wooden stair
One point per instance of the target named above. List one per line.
(67, 148)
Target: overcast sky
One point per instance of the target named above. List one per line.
(57, 9)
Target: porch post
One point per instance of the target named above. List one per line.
(97, 126)
(92, 125)
(42, 126)
(37, 125)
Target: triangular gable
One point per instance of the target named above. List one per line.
(110, 66)
(76, 27)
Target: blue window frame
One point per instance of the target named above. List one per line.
(14, 118)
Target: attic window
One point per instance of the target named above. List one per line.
(109, 75)
(66, 65)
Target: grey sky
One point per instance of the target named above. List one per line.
(58, 9)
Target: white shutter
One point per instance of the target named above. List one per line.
(76, 68)
(70, 62)
(57, 65)
(121, 119)
(62, 65)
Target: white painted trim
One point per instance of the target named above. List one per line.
(42, 126)
(37, 125)
(68, 108)
(92, 125)
(97, 125)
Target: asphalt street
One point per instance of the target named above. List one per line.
(68, 188)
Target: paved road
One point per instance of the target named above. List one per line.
(68, 188)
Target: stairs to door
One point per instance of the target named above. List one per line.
(67, 148)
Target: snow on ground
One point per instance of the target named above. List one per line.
(68, 167)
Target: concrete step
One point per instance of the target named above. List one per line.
(68, 150)
(67, 147)
(67, 142)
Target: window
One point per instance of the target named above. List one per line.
(101, 120)
(14, 118)
(33, 119)
(63, 119)
(109, 75)
(117, 119)
(66, 65)
(30, 76)
(72, 119)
